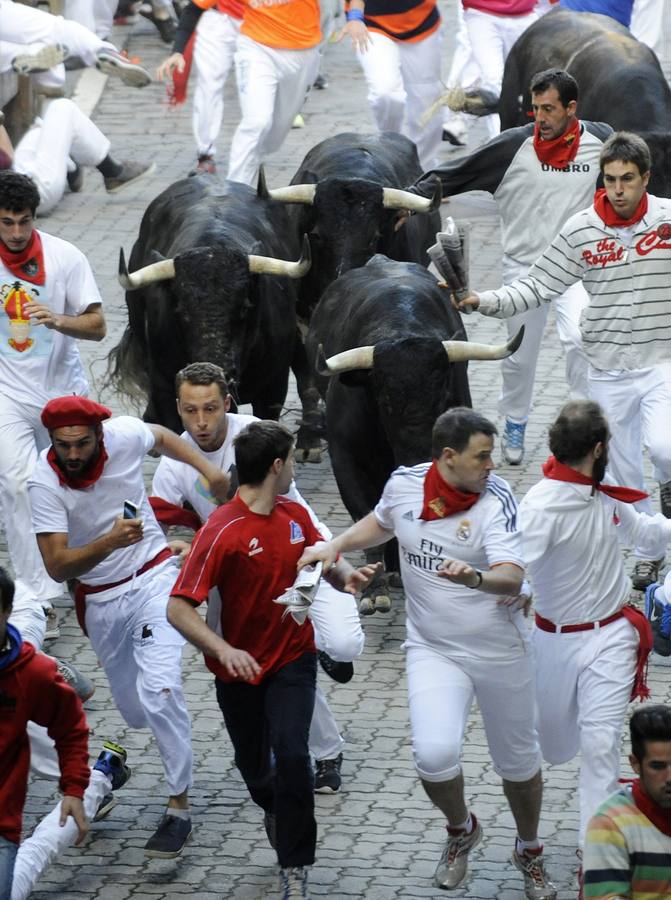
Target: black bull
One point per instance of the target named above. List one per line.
(211, 301)
(382, 401)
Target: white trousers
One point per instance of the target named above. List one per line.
(583, 684)
(403, 80)
(272, 85)
(50, 839)
(63, 133)
(519, 370)
(96, 15)
(492, 38)
(325, 739)
(637, 405)
(141, 654)
(22, 437)
(464, 72)
(441, 691)
(28, 615)
(647, 20)
(214, 51)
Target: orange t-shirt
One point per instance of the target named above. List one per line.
(232, 8)
(283, 24)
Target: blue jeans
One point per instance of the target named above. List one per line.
(8, 851)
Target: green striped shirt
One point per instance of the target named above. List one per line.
(625, 854)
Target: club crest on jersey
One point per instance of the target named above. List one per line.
(464, 530)
(254, 547)
(296, 536)
(438, 507)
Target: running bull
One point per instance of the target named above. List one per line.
(212, 277)
(392, 354)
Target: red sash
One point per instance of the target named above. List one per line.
(171, 514)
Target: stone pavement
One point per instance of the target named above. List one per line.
(379, 838)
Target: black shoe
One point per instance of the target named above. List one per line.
(105, 807)
(76, 179)
(169, 838)
(165, 27)
(320, 83)
(270, 824)
(341, 672)
(327, 775)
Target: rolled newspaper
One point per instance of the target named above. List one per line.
(448, 257)
(298, 598)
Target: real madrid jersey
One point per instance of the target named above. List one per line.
(439, 613)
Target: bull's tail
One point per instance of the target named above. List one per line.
(127, 369)
(475, 103)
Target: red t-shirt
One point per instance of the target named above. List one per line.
(251, 559)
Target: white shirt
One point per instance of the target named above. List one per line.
(177, 482)
(38, 363)
(85, 515)
(572, 548)
(439, 613)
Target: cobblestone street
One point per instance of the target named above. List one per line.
(379, 837)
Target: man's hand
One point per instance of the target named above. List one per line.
(126, 532)
(219, 483)
(358, 33)
(174, 61)
(238, 663)
(73, 806)
(180, 549)
(359, 579)
(459, 572)
(323, 552)
(468, 304)
(521, 601)
(43, 315)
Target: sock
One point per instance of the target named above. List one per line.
(467, 825)
(178, 813)
(521, 846)
(108, 168)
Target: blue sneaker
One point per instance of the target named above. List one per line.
(112, 762)
(652, 605)
(512, 442)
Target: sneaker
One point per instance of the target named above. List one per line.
(646, 572)
(512, 442)
(112, 762)
(169, 838)
(83, 687)
(270, 824)
(320, 83)
(294, 883)
(111, 62)
(41, 61)
(665, 498)
(327, 775)
(206, 164)
(76, 179)
(341, 672)
(131, 172)
(105, 807)
(453, 863)
(298, 122)
(165, 27)
(53, 630)
(537, 886)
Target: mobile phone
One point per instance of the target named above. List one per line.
(129, 510)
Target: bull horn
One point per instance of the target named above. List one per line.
(462, 351)
(394, 198)
(158, 271)
(294, 193)
(268, 265)
(357, 358)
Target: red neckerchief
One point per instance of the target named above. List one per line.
(441, 499)
(79, 482)
(658, 815)
(557, 471)
(608, 216)
(29, 263)
(560, 151)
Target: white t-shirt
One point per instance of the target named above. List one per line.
(446, 616)
(177, 482)
(38, 363)
(85, 515)
(572, 547)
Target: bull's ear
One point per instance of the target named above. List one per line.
(261, 185)
(155, 256)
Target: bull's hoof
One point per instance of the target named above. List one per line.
(366, 606)
(382, 603)
(309, 454)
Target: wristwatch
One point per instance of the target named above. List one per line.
(474, 587)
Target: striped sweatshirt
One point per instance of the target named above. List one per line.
(625, 855)
(627, 323)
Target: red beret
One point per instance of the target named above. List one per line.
(72, 410)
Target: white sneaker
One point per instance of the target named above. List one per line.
(512, 442)
(453, 864)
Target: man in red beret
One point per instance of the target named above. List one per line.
(94, 524)
(48, 300)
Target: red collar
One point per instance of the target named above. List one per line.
(658, 815)
(28, 264)
(609, 216)
(560, 151)
(557, 471)
(79, 482)
(441, 499)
